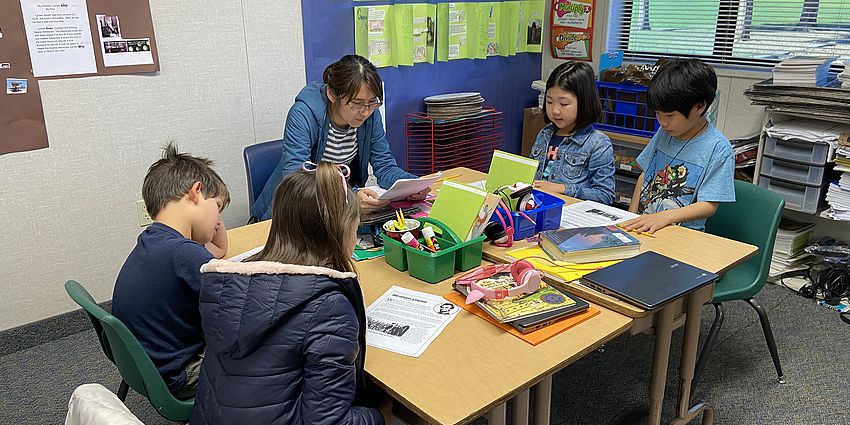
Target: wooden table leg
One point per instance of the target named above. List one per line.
(496, 416)
(660, 359)
(520, 408)
(690, 345)
(542, 401)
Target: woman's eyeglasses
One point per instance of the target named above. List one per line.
(360, 107)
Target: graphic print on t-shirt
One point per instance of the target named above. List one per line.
(669, 185)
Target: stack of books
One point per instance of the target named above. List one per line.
(802, 71)
(589, 244)
(844, 76)
(791, 238)
(452, 106)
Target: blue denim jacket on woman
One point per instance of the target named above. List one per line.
(584, 163)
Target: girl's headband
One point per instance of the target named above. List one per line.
(341, 169)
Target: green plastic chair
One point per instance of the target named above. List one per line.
(83, 298)
(752, 219)
(136, 368)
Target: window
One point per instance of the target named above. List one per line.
(747, 33)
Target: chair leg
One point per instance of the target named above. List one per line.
(122, 390)
(768, 335)
(709, 341)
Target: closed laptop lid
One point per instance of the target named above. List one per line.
(649, 279)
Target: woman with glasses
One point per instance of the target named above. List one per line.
(336, 120)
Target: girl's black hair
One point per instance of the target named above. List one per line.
(578, 78)
(680, 84)
(348, 74)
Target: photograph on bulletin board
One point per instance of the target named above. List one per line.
(571, 29)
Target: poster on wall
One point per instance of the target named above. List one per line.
(51, 39)
(373, 34)
(571, 29)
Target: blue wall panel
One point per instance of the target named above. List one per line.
(504, 82)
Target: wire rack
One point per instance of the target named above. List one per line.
(434, 144)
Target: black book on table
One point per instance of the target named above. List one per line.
(648, 280)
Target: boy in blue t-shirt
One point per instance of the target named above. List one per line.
(156, 292)
(688, 166)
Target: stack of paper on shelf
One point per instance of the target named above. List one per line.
(844, 76)
(540, 86)
(452, 106)
(802, 71)
(745, 150)
(791, 238)
(838, 198)
(808, 130)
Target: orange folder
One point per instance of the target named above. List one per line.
(534, 337)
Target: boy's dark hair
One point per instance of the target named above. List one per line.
(171, 177)
(680, 84)
(345, 76)
(578, 78)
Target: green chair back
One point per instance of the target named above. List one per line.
(753, 218)
(129, 356)
(85, 300)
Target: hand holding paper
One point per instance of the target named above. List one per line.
(407, 188)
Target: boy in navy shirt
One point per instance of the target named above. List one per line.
(156, 292)
(688, 166)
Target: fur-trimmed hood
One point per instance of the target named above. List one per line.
(242, 302)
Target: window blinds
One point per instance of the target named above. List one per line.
(741, 33)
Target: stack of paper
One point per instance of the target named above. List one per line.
(808, 131)
(791, 237)
(802, 71)
(540, 86)
(745, 150)
(452, 106)
(844, 76)
(838, 198)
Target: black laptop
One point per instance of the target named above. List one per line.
(648, 280)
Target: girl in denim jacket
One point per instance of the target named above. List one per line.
(575, 159)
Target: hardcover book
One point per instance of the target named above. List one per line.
(589, 244)
(547, 300)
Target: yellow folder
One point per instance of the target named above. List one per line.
(464, 209)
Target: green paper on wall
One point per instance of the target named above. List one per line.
(531, 26)
(374, 34)
(507, 169)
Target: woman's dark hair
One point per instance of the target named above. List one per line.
(345, 77)
(313, 217)
(578, 79)
(680, 84)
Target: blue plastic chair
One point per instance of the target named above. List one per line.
(753, 219)
(260, 161)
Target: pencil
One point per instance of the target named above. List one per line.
(449, 177)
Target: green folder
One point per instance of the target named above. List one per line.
(507, 168)
(458, 207)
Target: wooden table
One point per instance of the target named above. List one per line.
(473, 367)
(709, 252)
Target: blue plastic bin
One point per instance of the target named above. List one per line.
(624, 109)
(547, 215)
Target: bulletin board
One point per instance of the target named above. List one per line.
(131, 36)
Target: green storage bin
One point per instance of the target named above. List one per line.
(434, 267)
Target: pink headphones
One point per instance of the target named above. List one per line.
(504, 235)
(522, 271)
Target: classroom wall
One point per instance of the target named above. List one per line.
(504, 82)
(229, 71)
(736, 117)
